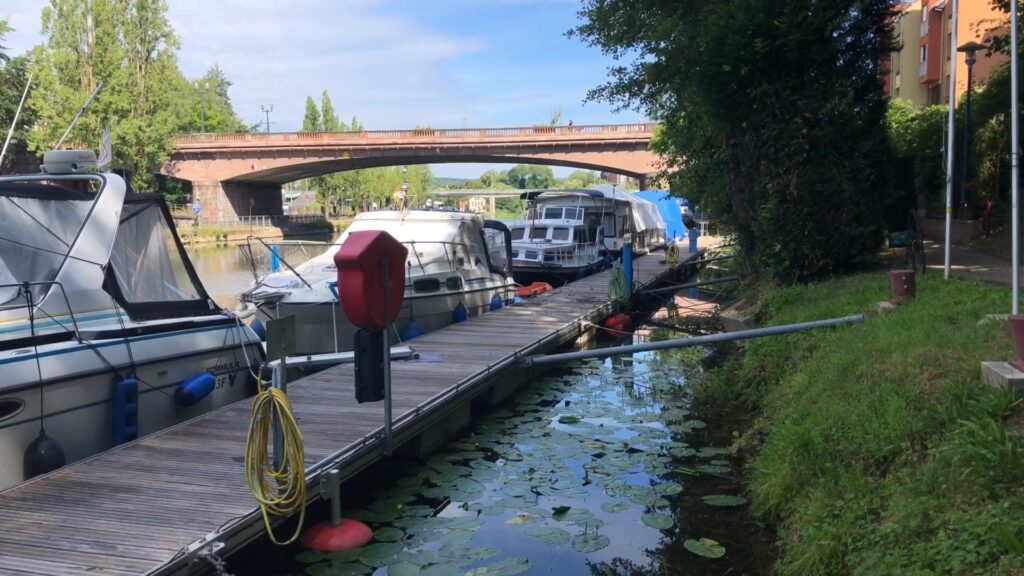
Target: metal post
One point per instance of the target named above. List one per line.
(386, 265)
(692, 234)
(334, 491)
(965, 178)
(14, 123)
(627, 267)
(1015, 157)
(950, 138)
(278, 381)
(695, 341)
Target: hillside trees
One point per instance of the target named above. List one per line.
(771, 115)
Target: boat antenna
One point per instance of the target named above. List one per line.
(78, 115)
(14, 123)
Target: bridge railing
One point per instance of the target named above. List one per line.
(454, 133)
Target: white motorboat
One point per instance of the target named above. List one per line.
(458, 266)
(106, 333)
(570, 233)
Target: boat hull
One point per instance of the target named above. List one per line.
(322, 327)
(78, 386)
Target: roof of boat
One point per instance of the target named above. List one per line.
(418, 215)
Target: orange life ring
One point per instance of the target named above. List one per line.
(533, 289)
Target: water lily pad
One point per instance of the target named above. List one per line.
(568, 419)
(587, 543)
(403, 569)
(310, 556)
(441, 570)
(456, 539)
(466, 523)
(683, 452)
(710, 451)
(557, 512)
(549, 534)
(388, 534)
(658, 521)
(380, 554)
(614, 507)
(713, 469)
(353, 569)
(705, 547)
(522, 519)
(668, 488)
(506, 567)
(723, 500)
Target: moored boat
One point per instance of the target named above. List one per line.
(106, 332)
(458, 266)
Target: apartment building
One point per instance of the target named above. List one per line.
(920, 70)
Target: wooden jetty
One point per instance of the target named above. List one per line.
(155, 505)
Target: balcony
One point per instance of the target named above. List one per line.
(922, 69)
(924, 27)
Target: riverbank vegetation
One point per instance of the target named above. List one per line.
(877, 449)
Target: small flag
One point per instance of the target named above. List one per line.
(106, 155)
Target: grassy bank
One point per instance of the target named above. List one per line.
(878, 449)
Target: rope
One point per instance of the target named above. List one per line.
(278, 491)
(617, 289)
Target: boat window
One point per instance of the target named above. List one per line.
(560, 234)
(10, 407)
(518, 233)
(150, 275)
(36, 233)
(426, 285)
(531, 255)
(538, 233)
(453, 283)
(496, 239)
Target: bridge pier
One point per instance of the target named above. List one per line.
(229, 201)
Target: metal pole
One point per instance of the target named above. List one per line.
(14, 123)
(386, 264)
(678, 287)
(696, 341)
(967, 140)
(334, 488)
(1015, 157)
(278, 381)
(78, 115)
(950, 138)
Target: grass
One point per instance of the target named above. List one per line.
(878, 450)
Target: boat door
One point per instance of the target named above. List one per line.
(498, 239)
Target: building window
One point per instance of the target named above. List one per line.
(924, 53)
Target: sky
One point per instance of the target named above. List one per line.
(393, 63)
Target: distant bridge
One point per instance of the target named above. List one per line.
(234, 174)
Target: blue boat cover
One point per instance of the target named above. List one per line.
(668, 207)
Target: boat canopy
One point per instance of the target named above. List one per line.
(39, 223)
(645, 214)
(150, 275)
(668, 208)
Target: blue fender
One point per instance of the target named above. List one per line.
(191, 391)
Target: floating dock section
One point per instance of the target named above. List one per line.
(159, 504)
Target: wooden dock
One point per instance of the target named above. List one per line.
(154, 505)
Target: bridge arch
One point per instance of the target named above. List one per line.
(233, 173)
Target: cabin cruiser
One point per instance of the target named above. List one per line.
(106, 333)
(570, 233)
(458, 266)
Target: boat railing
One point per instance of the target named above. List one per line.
(448, 249)
(35, 305)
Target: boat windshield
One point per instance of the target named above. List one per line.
(38, 225)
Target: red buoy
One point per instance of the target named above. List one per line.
(620, 322)
(325, 537)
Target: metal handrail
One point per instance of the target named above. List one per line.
(64, 294)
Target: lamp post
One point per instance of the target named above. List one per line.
(969, 49)
(405, 187)
(267, 109)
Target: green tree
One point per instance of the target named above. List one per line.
(5, 28)
(772, 117)
(328, 118)
(581, 179)
(129, 46)
(212, 104)
(311, 119)
(13, 78)
(530, 176)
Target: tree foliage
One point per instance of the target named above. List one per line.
(529, 176)
(129, 46)
(211, 104)
(771, 115)
(13, 77)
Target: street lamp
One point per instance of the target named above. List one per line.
(405, 187)
(969, 49)
(267, 109)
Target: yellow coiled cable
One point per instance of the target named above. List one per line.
(279, 491)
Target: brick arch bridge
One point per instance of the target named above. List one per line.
(237, 174)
